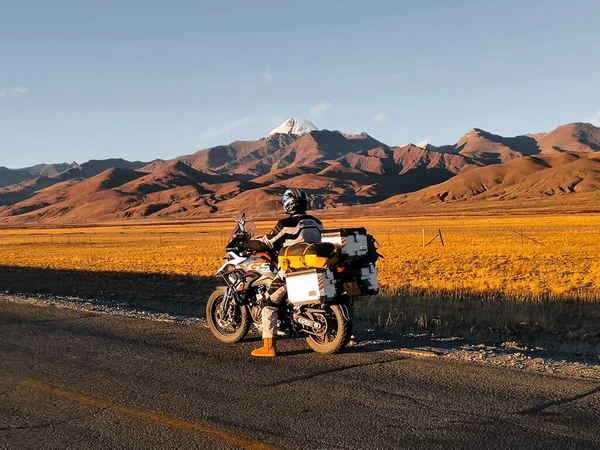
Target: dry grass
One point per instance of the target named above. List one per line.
(521, 258)
(556, 258)
(530, 279)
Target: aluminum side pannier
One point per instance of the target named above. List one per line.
(310, 286)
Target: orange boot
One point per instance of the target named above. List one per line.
(267, 350)
(269, 324)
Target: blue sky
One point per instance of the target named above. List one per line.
(156, 79)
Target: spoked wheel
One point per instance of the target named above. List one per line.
(335, 330)
(228, 321)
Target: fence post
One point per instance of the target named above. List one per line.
(522, 238)
(423, 237)
(441, 237)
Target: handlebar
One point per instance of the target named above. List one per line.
(237, 240)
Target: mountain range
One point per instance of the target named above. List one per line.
(335, 168)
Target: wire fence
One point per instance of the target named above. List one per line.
(545, 260)
(389, 237)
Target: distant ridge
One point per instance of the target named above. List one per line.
(336, 169)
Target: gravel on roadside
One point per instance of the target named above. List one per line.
(506, 355)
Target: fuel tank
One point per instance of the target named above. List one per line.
(260, 264)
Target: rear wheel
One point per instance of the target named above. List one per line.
(228, 321)
(350, 324)
(336, 331)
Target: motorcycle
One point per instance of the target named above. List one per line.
(325, 322)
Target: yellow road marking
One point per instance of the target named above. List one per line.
(149, 416)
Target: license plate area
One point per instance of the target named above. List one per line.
(352, 288)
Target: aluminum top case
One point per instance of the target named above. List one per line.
(352, 242)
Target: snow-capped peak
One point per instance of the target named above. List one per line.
(294, 126)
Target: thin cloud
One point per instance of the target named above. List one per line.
(228, 127)
(381, 118)
(17, 90)
(594, 120)
(320, 109)
(268, 76)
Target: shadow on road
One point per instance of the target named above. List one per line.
(569, 327)
(557, 325)
(163, 292)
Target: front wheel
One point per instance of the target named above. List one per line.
(228, 321)
(337, 330)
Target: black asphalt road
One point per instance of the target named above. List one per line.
(73, 379)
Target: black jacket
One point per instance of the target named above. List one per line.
(289, 231)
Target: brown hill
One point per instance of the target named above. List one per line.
(24, 190)
(60, 199)
(411, 157)
(9, 177)
(336, 169)
(275, 152)
(524, 178)
(490, 147)
(573, 137)
(47, 170)
(63, 171)
(481, 145)
(43, 176)
(13, 176)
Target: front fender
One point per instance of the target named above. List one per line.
(234, 261)
(224, 266)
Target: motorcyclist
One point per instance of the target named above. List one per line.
(298, 227)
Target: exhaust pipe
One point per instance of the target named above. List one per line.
(305, 321)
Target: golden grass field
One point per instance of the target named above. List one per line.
(553, 257)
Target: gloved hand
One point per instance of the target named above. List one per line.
(238, 243)
(241, 245)
(254, 245)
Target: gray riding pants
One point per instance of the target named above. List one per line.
(276, 293)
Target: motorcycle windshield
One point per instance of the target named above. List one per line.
(244, 224)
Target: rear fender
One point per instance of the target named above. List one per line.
(345, 304)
